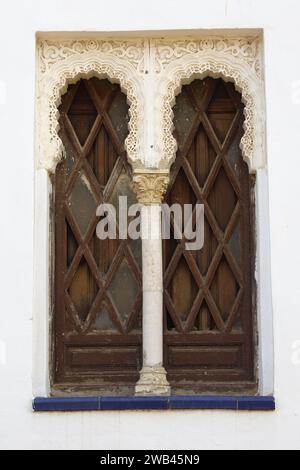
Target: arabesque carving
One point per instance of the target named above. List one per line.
(170, 64)
(237, 60)
(65, 62)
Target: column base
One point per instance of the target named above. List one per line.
(153, 381)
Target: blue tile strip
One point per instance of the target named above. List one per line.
(204, 403)
(154, 403)
(134, 403)
(253, 404)
(66, 404)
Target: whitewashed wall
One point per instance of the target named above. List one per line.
(19, 426)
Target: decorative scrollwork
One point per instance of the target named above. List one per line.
(50, 52)
(171, 63)
(62, 63)
(236, 60)
(245, 49)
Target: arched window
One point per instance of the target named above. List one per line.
(98, 297)
(208, 294)
(151, 316)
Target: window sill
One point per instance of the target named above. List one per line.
(154, 403)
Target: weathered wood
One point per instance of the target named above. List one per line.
(208, 294)
(98, 296)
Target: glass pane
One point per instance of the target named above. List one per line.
(184, 114)
(82, 202)
(136, 248)
(124, 290)
(118, 114)
(238, 325)
(233, 155)
(103, 320)
(69, 163)
(122, 188)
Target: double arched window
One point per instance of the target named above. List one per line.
(208, 310)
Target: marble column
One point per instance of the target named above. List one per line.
(150, 187)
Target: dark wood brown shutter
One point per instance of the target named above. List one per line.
(208, 294)
(98, 295)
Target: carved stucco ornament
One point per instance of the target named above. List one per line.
(51, 52)
(170, 64)
(246, 49)
(236, 60)
(150, 185)
(65, 62)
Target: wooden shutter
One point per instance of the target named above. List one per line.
(208, 294)
(97, 322)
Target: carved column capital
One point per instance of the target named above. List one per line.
(150, 185)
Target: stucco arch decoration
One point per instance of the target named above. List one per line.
(235, 60)
(151, 72)
(63, 63)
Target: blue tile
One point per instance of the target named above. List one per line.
(203, 402)
(134, 403)
(66, 404)
(256, 403)
(154, 403)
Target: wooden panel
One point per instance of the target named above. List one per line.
(103, 358)
(208, 294)
(97, 324)
(214, 356)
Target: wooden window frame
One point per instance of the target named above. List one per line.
(53, 74)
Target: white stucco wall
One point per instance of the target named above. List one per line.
(19, 426)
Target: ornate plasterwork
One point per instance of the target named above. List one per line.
(62, 63)
(50, 52)
(151, 73)
(243, 49)
(150, 185)
(237, 60)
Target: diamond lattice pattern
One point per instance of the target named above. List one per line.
(202, 288)
(103, 281)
